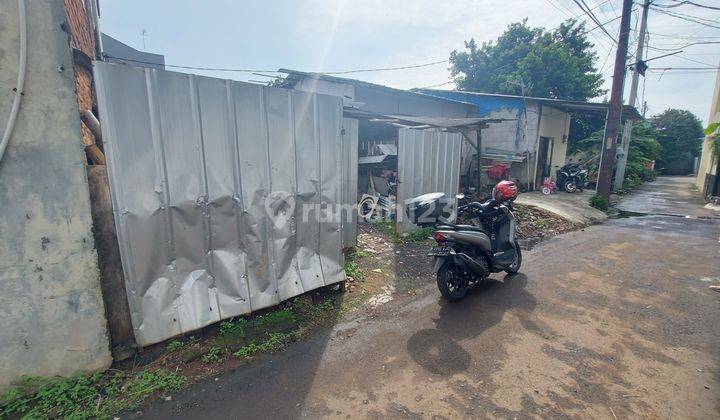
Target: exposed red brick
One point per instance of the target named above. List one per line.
(82, 33)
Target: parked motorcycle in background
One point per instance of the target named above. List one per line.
(572, 177)
(467, 254)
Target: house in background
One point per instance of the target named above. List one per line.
(531, 126)
(526, 141)
(708, 181)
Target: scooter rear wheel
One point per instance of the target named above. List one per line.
(451, 283)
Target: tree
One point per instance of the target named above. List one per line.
(644, 148)
(555, 64)
(680, 134)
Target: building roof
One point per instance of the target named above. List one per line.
(409, 121)
(295, 76)
(585, 107)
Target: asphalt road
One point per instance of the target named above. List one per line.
(613, 321)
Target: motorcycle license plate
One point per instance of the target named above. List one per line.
(440, 251)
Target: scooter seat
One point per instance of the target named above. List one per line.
(460, 227)
(469, 227)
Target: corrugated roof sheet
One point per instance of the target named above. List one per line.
(629, 112)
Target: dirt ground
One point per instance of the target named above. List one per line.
(613, 321)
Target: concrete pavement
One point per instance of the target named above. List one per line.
(574, 207)
(676, 196)
(613, 321)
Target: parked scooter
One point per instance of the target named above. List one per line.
(572, 177)
(467, 254)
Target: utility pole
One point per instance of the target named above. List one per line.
(627, 130)
(607, 151)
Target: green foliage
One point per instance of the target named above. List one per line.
(643, 150)
(712, 130)
(599, 202)
(214, 355)
(84, 396)
(101, 396)
(583, 126)
(420, 235)
(555, 64)
(386, 225)
(680, 134)
(542, 223)
(174, 345)
(354, 270)
(359, 253)
(276, 341)
(272, 331)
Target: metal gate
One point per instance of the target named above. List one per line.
(224, 194)
(428, 161)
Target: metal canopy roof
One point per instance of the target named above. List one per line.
(408, 121)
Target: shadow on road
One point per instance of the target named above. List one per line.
(438, 350)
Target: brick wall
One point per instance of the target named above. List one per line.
(82, 37)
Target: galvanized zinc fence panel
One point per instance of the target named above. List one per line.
(350, 181)
(428, 161)
(224, 194)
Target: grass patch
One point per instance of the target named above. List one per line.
(420, 235)
(273, 331)
(599, 202)
(542, 223)
(386, 225)
(173, 346)
(354, 270)
(214, 355)
(104, 395)
(85, 396)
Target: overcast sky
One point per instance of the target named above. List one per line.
(324, 35)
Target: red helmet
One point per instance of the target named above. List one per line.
(505, 190)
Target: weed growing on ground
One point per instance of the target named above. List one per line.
(103, 395)
(85, 396)
(420, 235)
(599, 202)
(273, 331)
(386, 225)
(354, 270)
(542, 223)
(174, 345)
(214, 355)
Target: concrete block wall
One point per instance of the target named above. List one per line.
(52, 319)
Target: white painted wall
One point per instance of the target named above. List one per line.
(555, 124)
(52, 319)
(708, 161)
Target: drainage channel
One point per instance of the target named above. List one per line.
(624, 214)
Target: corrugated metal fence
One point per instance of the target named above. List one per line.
(428, 161)
(224, 194)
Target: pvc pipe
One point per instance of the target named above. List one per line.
(20, 81)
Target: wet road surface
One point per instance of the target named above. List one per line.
(616, 320)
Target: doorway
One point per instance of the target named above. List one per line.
(545, 151)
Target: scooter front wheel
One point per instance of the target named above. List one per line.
(570, 186)
(451, 283)
(514, 267)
